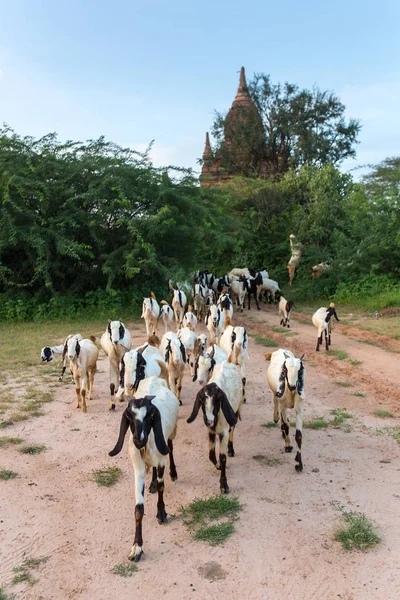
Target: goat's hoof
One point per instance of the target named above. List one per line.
(180, 402)
(231, 453)
(174, 476)
(288, 448)
(112, 407)
(299, 468)
(60, 379)
(162, 517)
(121, 398)
(276, 420)
(244, 400)
(225, 489)
(135, 554)
(84, 409)
(153, 487)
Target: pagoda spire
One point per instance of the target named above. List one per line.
(207, 154)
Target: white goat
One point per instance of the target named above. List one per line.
(238, 290)
(83, 355)
(150, 314)
(115, 341)
(166, 315)
(296, 248)
(141, 363)
(190, 319)
(322, 321)
(152, 418)
(220, 402)
(174, 354)
(200, 346)
(240, 272)
(285, 308)
(189, 340)
(225, 304)
(178, 305)
(204, 365)
(270, 286)
(319, 269)
(286, 376)
(215, 322)
(236, 339)
(47, 353)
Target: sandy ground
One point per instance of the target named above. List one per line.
(282, 546)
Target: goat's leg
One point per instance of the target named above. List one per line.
(276, 410)
(299, 432)
(137, 548)
(91, 375)
(285, 429)
(319, 341)
(244, 389)
(121, 390)
(211, 449)
(231, 451)
(62, 373)
(161, 514)
(179, 388)
(223, 483)
(255, 297)
(113, 383)
(326, 340)
(172, 468)
(153, 484)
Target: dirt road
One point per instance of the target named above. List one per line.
(282, 546)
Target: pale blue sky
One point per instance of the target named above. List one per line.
(155, 69)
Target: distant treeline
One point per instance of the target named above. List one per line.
(92, 226)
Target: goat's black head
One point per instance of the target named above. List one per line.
(140, 417)
(47, 354)
(211, 399)
(258, 279)
(331, 312)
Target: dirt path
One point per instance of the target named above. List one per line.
(282, 546)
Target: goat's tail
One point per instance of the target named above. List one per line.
(227, 322)
(92, 338)
(190, 308)
(153, 340)
(268, 355)
(152, 295)
(163, 302)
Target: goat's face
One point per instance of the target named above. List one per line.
(292, 374)
(204, 368)
(201, 345)
(135, 370)
(147, 307)
(240, 340)
(47, 354)
(215, 314)
(73, 348)
(116, 331)
(140, 413)
(175, 351)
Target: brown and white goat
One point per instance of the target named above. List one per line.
(83, 355)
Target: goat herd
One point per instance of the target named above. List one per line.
(150, 376)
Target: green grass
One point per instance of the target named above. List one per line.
(24, 577)
(285, 331)
(5, 595)
(302, 321)
(268, 342)
(340, 415)
(383, 414)
(211, 520)
(5, 424)
(270, 424)
(124, 569)
(318, 423)
(16, 417)
(23, 571)
(33, 449)
(340, 354)
(5, 474)
(355, 363)
(267, 461)
(7, 441)
(344, 384)
(359, 395)
(107, 477)
(395, 433)
(358, 532)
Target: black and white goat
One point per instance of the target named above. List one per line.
(166, 315)
(150, 314)
(225, 304)
(239, 291)
(83, 355)
(285, 308)
(321, 320)
(286, 376)
(178, 304)
(47, 353)
(190, 319)
(220, 402)
(152, 418)
(204, 364)
(251, 284)
(215, 322)
(189, 340)
(141, 363)
(173, 351)
(115, 341)
(235, 340)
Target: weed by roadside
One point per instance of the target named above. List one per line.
(211, 520)
(340, 415)
(358, 532)
(107, 477)
(344, 384)
(7, 441)
(318, 423)
(5, 474)
(270, 424)
(22, 572)
(268, 342)
(33, 449)
(4, 595)
(340, 354)
(267, 461)
(383, 414)
(124, 569)
(355, 363)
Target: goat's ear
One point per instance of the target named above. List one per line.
(302, 356)
(286, 354)
(196, 368)
(121, 331)
(167, 352)
(227, 409)
(282, 382)
(183, 352)
(268, 355)
(158, 432)
(212, 352)
(300, 382)
(196, 406)
(65, 349)
(77, 349)
(122, 433)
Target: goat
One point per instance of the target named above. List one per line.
(166, 315)
(204, 365)
(47, 353)
(152, 419)
(199, 299)
(220, 402)
(222, 283)
(286, 376)
(178, 305)
(83, 355)
(294, 261)
(251, 284)
(318, 270)
(240, 272)
(215, 322)
(173, 351)
(141, 363)
(115, 341)
(189, 340)
(271, 287)
(200, 346)
(236, 339)
(225, 303)
(150, 314)
(190, 319)
(285, 308)
(321, 319)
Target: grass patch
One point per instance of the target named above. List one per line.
(4, 595)
(270, 424)
(200, 516)
(24, 577)
(16, 417)
(339, 354)
(5, 474)
(107, 477)
(344, 384)
(23, 571)
(268, 342)
(355, 363)
(359, 395)
(7, 441)
(340, 415)
(318, 423)
(5, 424)
(395, 433)
(383, 414)
(302, 321)
(124, 570)
(33, 449)
(358, 532)
(267, 461)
